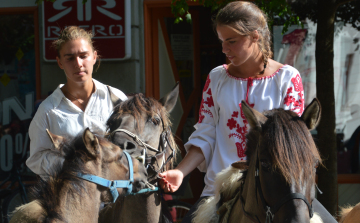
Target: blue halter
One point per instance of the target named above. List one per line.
(113, 184)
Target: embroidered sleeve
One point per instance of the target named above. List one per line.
(294, 95)
(205, 134)
(207, 103)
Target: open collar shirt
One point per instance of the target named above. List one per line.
(62, 117)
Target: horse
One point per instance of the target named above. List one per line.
(277, 181)
(350, 214)
(94, 171)
(141, 126)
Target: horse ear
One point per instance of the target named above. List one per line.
(114, 99)
(255, 118)
(169, 100)
(91, 142)
(55, 139)
(241, 165)
(312, 114)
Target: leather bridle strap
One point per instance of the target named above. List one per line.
(243, 206)
(270, 211)
(135, 137)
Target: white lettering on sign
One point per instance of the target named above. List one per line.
(14, 104)
(53, 29)
(58, 5)
(100, 31)
(7, 150)
(111, 30)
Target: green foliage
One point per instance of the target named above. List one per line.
(347, 13)
(278, 11)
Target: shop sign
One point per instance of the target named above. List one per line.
(109, 20)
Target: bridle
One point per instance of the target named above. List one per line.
(271, 211)
(114, 184)
(160, 152)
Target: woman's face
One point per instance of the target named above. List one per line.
(237, 48)
(77, 59)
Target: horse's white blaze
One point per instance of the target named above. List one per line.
(226, 182)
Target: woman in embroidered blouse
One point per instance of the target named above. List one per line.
(219, 138)
(81, 102)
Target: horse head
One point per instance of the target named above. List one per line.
(90, 154)
(141, 126)
(282, 156)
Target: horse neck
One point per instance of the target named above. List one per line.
(80, 208)
(138, 208)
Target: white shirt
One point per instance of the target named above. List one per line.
(221, 129)
(62, 117)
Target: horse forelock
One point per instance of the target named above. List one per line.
(290, 144)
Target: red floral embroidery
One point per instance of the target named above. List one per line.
(209, 101)
(290, 99)
(201, 117)
(240, 149)
(240, 131)
(297, 83)
(231, 123)
(235, 114)
(207, 83)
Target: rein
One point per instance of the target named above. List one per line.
(271, 211)
(114, 184)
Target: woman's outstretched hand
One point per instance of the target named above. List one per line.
(171, 180)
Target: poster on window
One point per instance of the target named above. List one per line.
(297, 48)
(17, 89)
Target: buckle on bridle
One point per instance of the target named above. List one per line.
(269, 215)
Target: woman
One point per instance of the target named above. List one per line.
(79, 103)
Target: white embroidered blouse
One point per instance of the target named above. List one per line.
(221, 129)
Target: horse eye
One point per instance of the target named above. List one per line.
(265, 164)
(155, 120)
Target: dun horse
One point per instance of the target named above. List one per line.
(141, 126)
(277, 182)
(92, 170)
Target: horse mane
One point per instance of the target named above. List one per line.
(288, 141)
(135, 106)
(47, 191)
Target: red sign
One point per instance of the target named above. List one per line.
(108, 19)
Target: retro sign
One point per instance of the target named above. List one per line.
(110, 21)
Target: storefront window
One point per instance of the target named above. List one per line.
(297, 48)
(17, 88)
